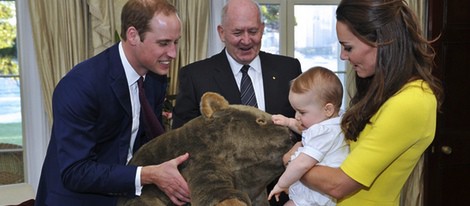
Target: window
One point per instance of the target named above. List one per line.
(11, 137)
(271, 40)
(306, 30)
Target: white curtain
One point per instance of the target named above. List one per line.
(36, 129)
(214, 43)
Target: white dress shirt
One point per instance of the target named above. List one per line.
(255, 74)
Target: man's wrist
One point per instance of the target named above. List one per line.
(138, 183)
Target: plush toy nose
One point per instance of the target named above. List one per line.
(294, 137)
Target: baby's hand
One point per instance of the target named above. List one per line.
(299, 126)
(280, 119)
(276, 192)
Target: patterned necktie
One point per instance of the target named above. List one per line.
(247, 93)
(152, 126)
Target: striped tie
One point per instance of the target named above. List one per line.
(246, 88)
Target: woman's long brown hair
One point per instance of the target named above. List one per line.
(403, 55)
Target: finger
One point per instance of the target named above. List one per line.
(180, 159)
(182, 197)
(176, 201)
(177, 198)
(182, 186)
(181, 193)
(181, 190)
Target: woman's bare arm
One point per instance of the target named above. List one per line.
(332, 181)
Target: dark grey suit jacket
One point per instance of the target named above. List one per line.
(215, 75)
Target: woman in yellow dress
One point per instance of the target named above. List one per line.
(391, 119)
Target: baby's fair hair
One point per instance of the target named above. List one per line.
(322, 82)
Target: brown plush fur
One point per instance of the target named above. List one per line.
(235, 151)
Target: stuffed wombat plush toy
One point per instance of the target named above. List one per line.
(235, 152)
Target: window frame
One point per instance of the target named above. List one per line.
(287, 21)
(10, 148)
(287, 35)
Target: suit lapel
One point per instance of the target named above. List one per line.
(119, 83)
(270, 83)
(120, 88)
(225, 80)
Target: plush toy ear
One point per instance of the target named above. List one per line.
(212, 102)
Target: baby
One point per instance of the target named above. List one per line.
(316, 96)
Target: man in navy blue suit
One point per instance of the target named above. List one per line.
(97, 124)
(241, 30)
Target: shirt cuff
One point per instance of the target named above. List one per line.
(138, 185)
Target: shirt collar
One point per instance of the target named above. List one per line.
(131, 74)
(235, 66)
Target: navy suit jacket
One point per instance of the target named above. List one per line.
(214, 74)
(86, 159)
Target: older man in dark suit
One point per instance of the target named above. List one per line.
(241, 31)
